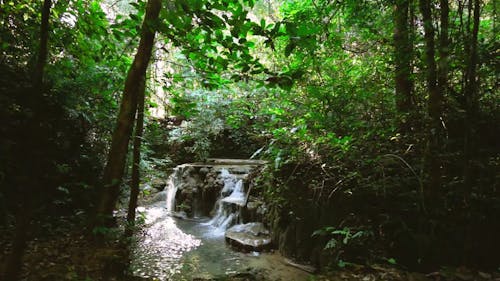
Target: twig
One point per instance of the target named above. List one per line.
(422, 200)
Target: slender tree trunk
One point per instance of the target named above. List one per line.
(443, 47)
(432, 163)
(43, 50)
(134, 186)
(402, 60)
(442, 71)
(115, 166)
(471, 76)
(471, 97)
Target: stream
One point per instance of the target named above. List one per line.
(173, 248)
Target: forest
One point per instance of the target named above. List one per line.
(242, 140)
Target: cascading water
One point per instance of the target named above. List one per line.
(227, 206)
(237, 196)
(172, 187)
(169, 248)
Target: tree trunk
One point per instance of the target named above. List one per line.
(15, 260)
(432, 163)
(115, 166)
(402, 56)
(43, 50)
(443, 47)
(134, 186)
(442, 71)
(402, 60)
(471, 99)
(471, 77)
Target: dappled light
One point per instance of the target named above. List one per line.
(262, 140)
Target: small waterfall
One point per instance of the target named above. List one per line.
(237, 196)
(227, 206)
(172, 186)
(228, 179)
(214, 189)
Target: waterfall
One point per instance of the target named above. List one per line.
(172, 186)
(227, 206)
(214, 189)
(237, 196)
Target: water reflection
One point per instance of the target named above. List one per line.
(171, 249)
(160, 247)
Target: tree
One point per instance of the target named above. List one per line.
(136, 161)
(403, 58)
(115, 166)
(471, 93)
(23, 212)
(43, 49)
(434, 103)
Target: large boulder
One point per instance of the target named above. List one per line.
(249, 237)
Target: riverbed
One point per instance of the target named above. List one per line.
(169, 248)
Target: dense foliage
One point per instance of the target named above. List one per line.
(382, 115)
(326, 113)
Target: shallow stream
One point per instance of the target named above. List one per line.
(185, 249)
(175, 249)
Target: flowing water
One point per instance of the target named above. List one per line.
(174, 249)
(184, 249)
(227, 205)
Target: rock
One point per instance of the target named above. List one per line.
(158, 197)
(253, 205)
(236, 200)
(249, 237)
(188, 171)
(158, 184)
(180, 215)
(254, 210)
(262, 209)
(209, 180)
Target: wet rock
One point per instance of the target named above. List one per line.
(209, 180)
(188, 170)
(158, 197)
(249, 237)
(204, 170)
(180, 215)
(254, 210)
(253, 205)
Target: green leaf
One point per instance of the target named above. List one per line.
(331, 244)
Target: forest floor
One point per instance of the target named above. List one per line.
(64, 253)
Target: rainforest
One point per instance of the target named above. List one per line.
(265, 140)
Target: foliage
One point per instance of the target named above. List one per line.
(345, 233)
(85, 71)
(210, 117)
(308, 85)
(321, 99)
